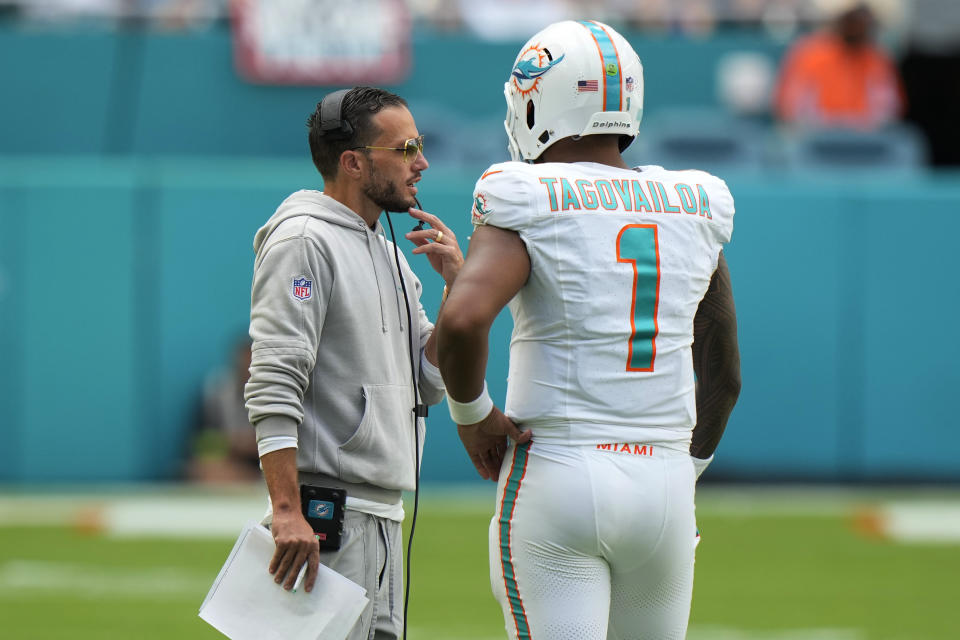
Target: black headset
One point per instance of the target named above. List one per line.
(332, 124)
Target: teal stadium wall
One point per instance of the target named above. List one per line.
(134, 170)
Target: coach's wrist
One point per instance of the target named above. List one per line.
(473, 411)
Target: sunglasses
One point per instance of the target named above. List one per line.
(411, 148)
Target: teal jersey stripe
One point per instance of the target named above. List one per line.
(639, 246)
(612, 95)
(517, 470)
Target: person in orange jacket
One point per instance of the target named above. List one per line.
(840, 77)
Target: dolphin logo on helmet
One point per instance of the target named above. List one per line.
(529, 68)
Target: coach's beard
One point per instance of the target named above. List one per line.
(385, 195)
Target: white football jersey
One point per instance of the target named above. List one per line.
(620, 260)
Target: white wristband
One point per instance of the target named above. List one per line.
(473, 411)
(700, 464)
(269, 444)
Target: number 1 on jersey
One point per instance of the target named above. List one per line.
(638, 245)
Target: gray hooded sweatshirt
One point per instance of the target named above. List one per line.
(331, 357)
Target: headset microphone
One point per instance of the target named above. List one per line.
(420, 224)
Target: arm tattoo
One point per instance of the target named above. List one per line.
(716, 361)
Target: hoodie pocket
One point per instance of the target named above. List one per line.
(381, 451)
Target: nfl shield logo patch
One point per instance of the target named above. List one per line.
(302, 288)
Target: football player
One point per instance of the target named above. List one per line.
(624, 363)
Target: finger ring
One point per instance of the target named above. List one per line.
(439, 236)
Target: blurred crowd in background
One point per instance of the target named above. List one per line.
(496, 19)
(859, 64)
(508, 19)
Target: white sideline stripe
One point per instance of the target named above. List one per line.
(909, 516)
(424, 632)
(714, 633)
(925, 522)
(179, 518)
(810, 501)
(92, 582)
(726, 633)
(171, 516)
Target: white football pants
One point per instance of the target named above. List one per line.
(594, 542)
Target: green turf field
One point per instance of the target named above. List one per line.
(770, 566)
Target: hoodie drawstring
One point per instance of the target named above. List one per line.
(371, 237)
(394, 274)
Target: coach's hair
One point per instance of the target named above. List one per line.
(359, 106)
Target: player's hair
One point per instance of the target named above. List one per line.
(359, 106)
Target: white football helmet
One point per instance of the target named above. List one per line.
(572, 79)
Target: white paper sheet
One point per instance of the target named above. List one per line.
(245, 603)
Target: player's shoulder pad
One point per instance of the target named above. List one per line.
(501, 197)
(717, 187)
(719, 200)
